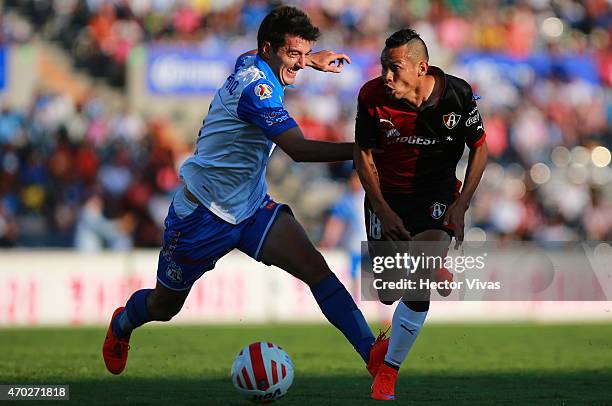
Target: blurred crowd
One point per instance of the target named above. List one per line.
(71, 167)
(78, 175)
(101, 33)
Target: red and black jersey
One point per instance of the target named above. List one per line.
(417, 151)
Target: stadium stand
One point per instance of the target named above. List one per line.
(76, 173)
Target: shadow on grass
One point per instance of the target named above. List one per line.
(590, 387)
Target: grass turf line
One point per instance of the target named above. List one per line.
(463, 364)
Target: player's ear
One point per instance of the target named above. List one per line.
(266, 50)
(423, 67)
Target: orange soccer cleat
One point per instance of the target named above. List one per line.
(383, 387)
(378, 352)
(115, 350)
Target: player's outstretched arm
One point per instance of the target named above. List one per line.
(323, 61)
(455, 215)
(300, 149)
(392, 226)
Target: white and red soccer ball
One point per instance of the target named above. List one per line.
(262, 372)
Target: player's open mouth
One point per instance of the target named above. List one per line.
(291, 72)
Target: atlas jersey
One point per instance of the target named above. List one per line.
(227, 171)
(417, 151)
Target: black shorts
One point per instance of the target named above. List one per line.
(419, 213)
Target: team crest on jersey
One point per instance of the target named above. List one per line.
(263, 91)
(174, 272)
(437, 210)
(451, 120)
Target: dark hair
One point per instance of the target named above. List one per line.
(285, 20)
(404, 36)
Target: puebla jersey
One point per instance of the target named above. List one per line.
(417, 151)
(227, 170)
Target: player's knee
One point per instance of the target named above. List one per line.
(309, 267)
(315, 270)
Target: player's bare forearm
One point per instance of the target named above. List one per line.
(322, 151)
(476, 165)
(455, 215)
(368, 175)
(392, 225)
(324, 61)
(302, 150)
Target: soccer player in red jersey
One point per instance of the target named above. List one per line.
(413, 123)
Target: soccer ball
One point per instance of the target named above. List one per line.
(262, 372)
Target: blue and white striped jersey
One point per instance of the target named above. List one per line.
(227, 171)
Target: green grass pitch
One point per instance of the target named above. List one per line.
(458, 364)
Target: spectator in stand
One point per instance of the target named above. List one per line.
(597, 220)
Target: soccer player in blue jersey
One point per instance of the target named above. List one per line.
(224, 203)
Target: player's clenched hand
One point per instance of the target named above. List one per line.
(393, 227)
(455, 217)
(327, 61)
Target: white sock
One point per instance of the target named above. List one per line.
(405, 328)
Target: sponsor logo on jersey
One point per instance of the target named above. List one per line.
(472, 120)
(393, 136)
(437, 210)
(389, 128)
(263, 91)
(275, 117)
(413, 139)
(392, 133)
(451, 120)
